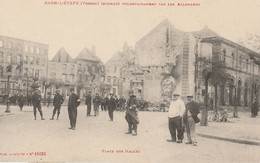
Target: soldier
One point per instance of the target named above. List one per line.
(48, 99)
(20, 100)
(176, 112)
(73, 104)
(111, 106)
(36, 100)
(106, 103)
(122, 102)
(131, 114)
(88, 103)
(103, 104)
(57, 101)
(190, 119)
(96, 102)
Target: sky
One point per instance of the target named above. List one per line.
(109, 27)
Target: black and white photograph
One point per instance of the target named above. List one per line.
(130, 81)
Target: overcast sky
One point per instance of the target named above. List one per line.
(108, 27)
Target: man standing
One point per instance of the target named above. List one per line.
(111, 106)
(131, 114)
(190, 119)
(88, 103)
(176, 112)
(20, 100)
(36, 101)
(122, 102)
(73, 104)
(254, 109)
(57, 101)
(96, 102)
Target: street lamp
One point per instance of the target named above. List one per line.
(8, 91)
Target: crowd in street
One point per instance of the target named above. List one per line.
(182, 118)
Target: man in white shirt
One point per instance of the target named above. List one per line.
(176, 112)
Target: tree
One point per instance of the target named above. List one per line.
(213, 71)
(46, 83)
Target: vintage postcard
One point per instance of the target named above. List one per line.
(129, 81)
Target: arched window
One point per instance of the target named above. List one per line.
(239, 93)
(246, 94)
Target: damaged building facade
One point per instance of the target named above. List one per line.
(163, 61)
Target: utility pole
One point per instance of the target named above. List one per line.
(9, 72)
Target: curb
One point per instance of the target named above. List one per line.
(241, 141)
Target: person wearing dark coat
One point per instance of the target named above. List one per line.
(103, 104)
(190, 119)
(73, 104)
(254, 109)
(106, 103)
(57, 101)
(96, 102)
(36, 101)
(131, 115)
(88, 103)
(122, 102)
(29, 99)
(111, 106)
(20, 100)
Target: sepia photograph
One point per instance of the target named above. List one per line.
(130, 81)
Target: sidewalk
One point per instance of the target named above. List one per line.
(243, 130)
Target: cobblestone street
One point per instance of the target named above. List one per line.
(97, 139)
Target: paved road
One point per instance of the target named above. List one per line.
(97, 139)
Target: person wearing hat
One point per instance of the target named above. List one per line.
(20, 100)
(57, 101)
(190, 119)
(36, 101)
(73, 104)
(176, 112)
(131, 114)
(88, 103)
(96, 102)
(111, 106)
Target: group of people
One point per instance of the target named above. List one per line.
(130, 116)
(110, 103)
(183, 118)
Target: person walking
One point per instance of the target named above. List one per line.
(48, 99)
(96, 102)
(176, 112)
(254, 109)
(88, 103)
(107, 102)
(20, 100)
(36, 101)
(131, 115)
(111, 106)
(122, 103)
(73, 104)
(190, 119)
(57, 101)
(103, 103)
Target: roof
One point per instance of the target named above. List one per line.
(205, 32)
(116, 60)
(86, 54)
(231, 43)
(62, 56)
